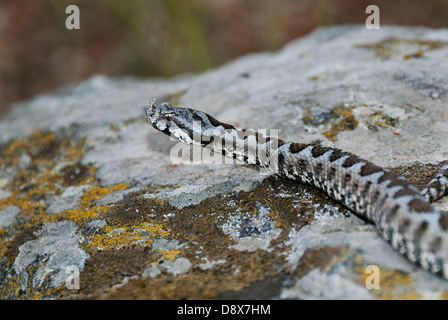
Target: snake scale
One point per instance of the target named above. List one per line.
(402, 214)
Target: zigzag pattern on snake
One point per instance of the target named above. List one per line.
(401, 213)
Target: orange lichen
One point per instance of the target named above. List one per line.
(339, 118)
(169, 254)
(88, 209)
(41, 179)
(393, 285)
(38, 161)
(345, 121)
(111, 237)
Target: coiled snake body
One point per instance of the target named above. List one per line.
(401, 213)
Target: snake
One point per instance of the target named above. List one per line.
(402, 214)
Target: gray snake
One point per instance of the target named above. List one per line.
(402, 214)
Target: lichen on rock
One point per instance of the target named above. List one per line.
(85, 182)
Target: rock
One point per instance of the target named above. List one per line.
(86, 184)
(8, 215)
(69, 199)
(56, 245)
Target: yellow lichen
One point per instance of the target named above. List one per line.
(346, 121)
(169, 254)
(394, 285)
(88, 209)
(30, 186)
(111, 237)
(33, 184)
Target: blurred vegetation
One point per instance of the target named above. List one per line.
(163, 38)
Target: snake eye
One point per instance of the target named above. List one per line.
(168, 116)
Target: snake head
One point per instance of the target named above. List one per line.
(160, 116)
(176, 122)
(184, 124)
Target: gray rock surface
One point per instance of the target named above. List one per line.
(8, 215)
(95, 186)
(58, 243)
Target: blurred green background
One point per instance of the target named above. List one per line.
(162, 38)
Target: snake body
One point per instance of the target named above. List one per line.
(402, 214)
